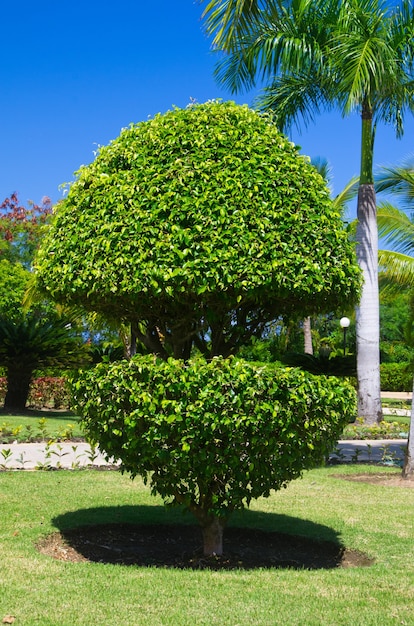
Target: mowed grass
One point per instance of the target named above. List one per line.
(39, 425)
(38, 590)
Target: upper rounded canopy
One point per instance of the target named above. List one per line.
(196, 208)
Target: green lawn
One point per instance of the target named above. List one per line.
(41, 591)
(39, 425)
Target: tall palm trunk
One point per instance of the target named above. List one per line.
(367, 319)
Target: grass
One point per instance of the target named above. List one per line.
(39, 425)
(40, 591)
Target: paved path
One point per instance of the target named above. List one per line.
(69, 455)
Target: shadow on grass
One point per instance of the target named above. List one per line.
(153, 536)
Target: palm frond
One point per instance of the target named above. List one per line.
(228, 20)
(396, 228)
(294, 98)
(396, 270)
(348, 193)
(399, 181)
(323, 168)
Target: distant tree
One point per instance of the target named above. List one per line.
(199, 228)
(21, 228)
(315, 55)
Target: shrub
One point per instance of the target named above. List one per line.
(396, 377)
(212, 435)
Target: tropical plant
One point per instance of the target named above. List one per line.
(314, 55)
(35, 344)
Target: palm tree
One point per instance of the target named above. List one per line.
(398, 264)
(315, 55)
(29, 344)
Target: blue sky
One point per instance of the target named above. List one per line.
(73, 74)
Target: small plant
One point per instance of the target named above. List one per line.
(29, 433)
(389, 457)
(75, 463)
(6, 453)
(46, 464)
(337, 456)
(22, 460)
(59, 453)
(66, 434)
(356, 455)
(42, 426)
(92, 454)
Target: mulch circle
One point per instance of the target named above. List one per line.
(179, 546)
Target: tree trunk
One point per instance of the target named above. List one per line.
(367, 319)
(213, 536)
(307, 335)
(18, 385)
(367, 325)
(408, 469)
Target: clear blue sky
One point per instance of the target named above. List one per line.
(73, 74)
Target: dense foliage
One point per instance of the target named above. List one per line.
(212, 435)
(199, 226)
(396, 376)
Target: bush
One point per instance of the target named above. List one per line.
(396, 377)
(212, 435)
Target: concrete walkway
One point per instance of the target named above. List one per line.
(70, 455)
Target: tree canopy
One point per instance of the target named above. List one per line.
(199, 226)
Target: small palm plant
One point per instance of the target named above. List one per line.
(31, 343)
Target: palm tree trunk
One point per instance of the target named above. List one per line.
(408, 469)
(18, 385)
(367, 319)
(307, 335)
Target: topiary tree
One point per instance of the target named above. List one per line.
(199, 228)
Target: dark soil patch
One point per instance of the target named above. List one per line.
(387, 480)
(179, 546)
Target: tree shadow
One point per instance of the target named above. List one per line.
(153, 536)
